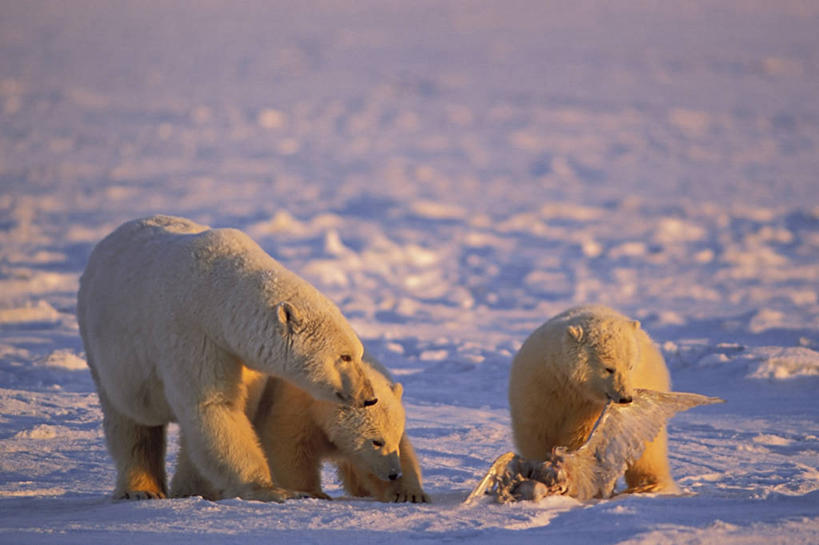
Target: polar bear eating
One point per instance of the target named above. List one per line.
(565, 373)
(172, 315)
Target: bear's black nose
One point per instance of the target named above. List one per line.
(625, 400)
(393, 476)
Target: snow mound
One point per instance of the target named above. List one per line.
(30, 313)
(42, 431)
(785, 363)
(438, 211)
(63, 359)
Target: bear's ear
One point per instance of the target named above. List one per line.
(635, 324)
(398, 390)
(575, 332)
(288, 315)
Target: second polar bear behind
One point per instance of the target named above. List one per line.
(368, 445)
(565, 373)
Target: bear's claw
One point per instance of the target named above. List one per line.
(140, 495)
(411, 497)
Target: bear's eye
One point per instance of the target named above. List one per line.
(346, 358)
(378, 444)
(610, 370)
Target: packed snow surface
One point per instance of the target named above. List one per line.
(452, 174)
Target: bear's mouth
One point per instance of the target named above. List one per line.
(350, 400)
(620, 399)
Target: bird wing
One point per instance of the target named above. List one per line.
(619, 438)
(503, 464)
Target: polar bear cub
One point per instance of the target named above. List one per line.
(172, 314)
(565, 373)
(369, 445)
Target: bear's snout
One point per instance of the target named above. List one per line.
(365, 394)
(395, 475)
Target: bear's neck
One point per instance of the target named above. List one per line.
(247, 324)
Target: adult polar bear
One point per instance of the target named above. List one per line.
(170, 313)
(565, 373)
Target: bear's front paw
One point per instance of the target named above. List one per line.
(404, 494)
(664, 487)
(139, 495)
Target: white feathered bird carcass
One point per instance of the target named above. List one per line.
(617, 440)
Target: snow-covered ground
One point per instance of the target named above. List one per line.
(451, 173)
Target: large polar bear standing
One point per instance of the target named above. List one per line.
(565, 373)
(369, 446)
(172, 315)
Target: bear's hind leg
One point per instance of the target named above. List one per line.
(139, 454)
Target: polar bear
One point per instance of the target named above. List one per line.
(565, 373)
(172, 314)
(369, 445)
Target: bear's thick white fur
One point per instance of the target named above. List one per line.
(568, 369)
(172, 315)
(369, 445)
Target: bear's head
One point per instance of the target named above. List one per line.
(605, 351)
(368, 436)
(323, 354)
